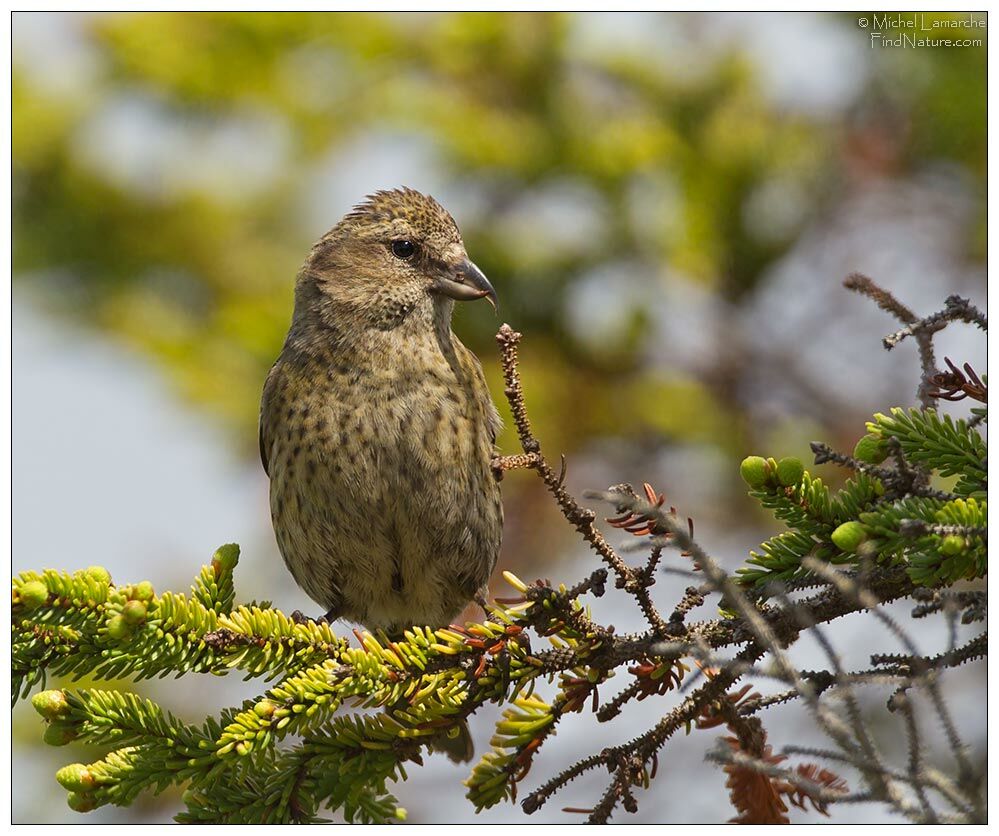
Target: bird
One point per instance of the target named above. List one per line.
(377, 429)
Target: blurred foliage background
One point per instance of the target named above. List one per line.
(666, 204)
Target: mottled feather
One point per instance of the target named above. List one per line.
(377, 428)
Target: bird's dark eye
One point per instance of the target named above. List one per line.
(403, 248)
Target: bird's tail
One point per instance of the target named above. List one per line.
(456, 743)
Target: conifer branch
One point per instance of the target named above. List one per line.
(297, 752)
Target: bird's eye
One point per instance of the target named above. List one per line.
(403, 248)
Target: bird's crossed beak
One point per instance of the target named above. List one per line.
(465, 284)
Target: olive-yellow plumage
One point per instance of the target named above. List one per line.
(376, 425)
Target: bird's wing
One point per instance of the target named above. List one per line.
(263, 450)
(474, 367)
(266, 415)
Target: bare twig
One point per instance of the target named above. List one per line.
(763, 623)
(924, 335)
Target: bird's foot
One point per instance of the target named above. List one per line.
(301, 618)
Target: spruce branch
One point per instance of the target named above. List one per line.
(343, 718)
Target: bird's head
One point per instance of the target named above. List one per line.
(397, 253)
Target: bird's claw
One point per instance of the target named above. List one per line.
(301, 618)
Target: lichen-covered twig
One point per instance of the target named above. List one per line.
(924, 335)
(581, 518)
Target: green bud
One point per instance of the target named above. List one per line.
(849, 536)
(51, 704)
(33, 594)
(143, 591)
(134, 612)
(80, 803)
(76, 777)
(118, 628)
(400, 813)
(99, 574)
(754, 471)
(871, 449)
(225, 558)
(58, 734)
(952, 545)
(790, 471)
(264, 709)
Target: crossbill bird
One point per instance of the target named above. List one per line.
(377, 430)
